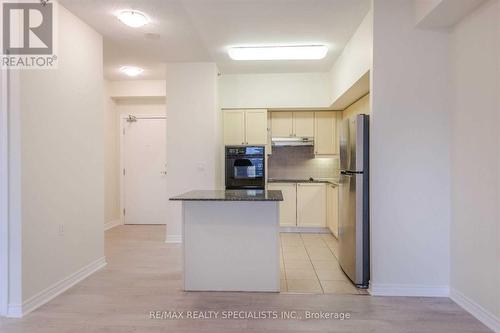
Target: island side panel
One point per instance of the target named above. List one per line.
(231, 246)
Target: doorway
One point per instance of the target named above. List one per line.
(143, 161)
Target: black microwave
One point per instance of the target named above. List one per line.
(245, 167)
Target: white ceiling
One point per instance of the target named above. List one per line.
(202, 30)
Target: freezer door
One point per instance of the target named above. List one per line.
(351, 236)
(353, 143)
(344, 145)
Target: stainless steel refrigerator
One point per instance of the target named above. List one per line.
(354, 255)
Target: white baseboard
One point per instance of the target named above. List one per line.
(18, 311)
(174, 239)
(481, 314)
(112, 224)
(409, 290)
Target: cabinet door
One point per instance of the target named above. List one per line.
(311, 205)
(256, 127)
(332, 212)
(303, 124)
(282, 124)
(288, 207)
(234, 127)
(326, 139)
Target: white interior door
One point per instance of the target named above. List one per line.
(144, 176)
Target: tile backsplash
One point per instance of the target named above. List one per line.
(299, 163)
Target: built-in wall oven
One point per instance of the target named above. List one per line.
(245, 167)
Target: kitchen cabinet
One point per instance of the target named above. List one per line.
(332, 209)
(256, 127)
(245, 127)
(303, 124)
(288, 207)
(311, 205)
(326, 134)
(234, 127)
(282, 124)
(292, 124)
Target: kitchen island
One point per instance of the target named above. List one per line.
(231, 240)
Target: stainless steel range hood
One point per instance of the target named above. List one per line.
(292, 141)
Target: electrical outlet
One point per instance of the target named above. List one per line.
(61, 229)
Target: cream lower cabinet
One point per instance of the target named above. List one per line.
(311, 205)
(332, 209)
(288, 207)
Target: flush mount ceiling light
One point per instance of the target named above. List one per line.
(292, 52)
(133, 18)
(131, 70)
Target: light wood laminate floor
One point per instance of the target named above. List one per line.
(144, 274)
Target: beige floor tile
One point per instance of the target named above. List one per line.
(307, 236)
(331, 274)
(290, 235)
(295, 256)
(292, 243)
(300, 274)
(304, 286)
(300, 252)
(299, 264)
(338, 287)
(328, 237)
(320, 253)
(308, 243)
(293, 246)
(334, 251)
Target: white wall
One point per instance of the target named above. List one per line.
(410, 185)
(354, 62)
(111, 160)
(57, 178)
(137, 88)
(194, 135)
(475, 228)
(285, 90)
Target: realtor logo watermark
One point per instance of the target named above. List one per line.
(28, 34)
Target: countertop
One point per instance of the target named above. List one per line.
(229, 195)
(318, 181)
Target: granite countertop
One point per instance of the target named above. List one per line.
(230, 195)
(319, 181)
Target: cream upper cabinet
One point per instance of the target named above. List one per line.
(234, 127)
(288, 207)
(326, 136)
(291, 124)
(303, 124)
(332, 209)
(311, 205)
(282, 124)
(245, 127)
(256, 127)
